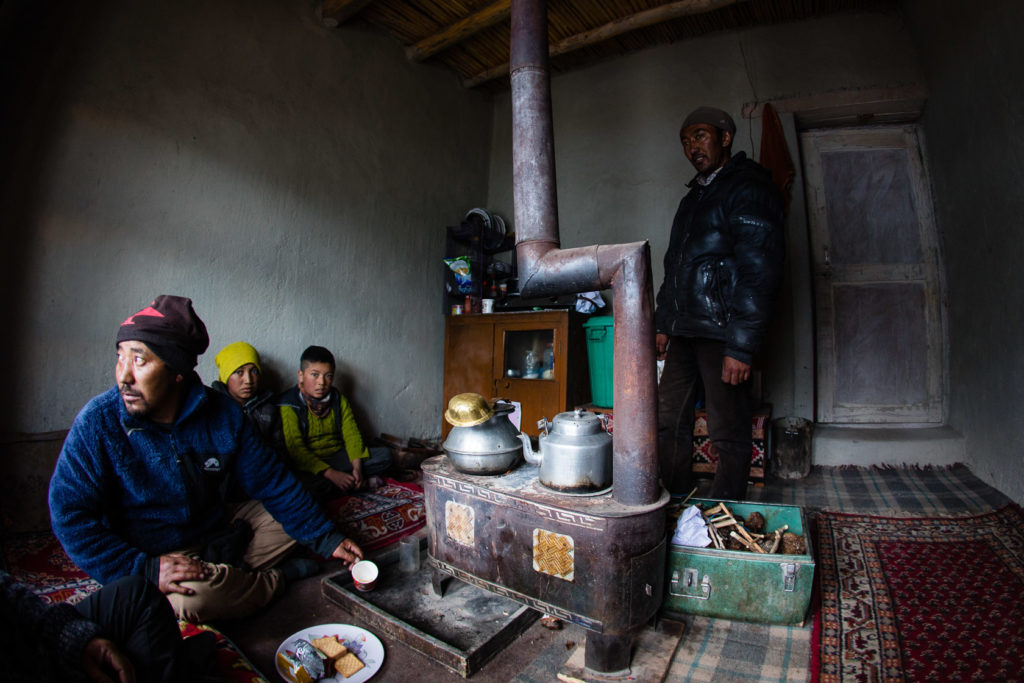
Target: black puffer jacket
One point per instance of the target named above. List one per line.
(724, 260)
(262, 413)
(39, 642)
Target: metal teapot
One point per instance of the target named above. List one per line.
(482, 440)
(575, 456)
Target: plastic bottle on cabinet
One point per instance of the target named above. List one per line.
(531, 365)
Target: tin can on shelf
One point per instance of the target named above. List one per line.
(456, 309)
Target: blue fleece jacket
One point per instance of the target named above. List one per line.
(127, 490)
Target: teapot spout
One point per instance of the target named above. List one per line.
(534, 458)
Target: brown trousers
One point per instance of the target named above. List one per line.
(230, 592)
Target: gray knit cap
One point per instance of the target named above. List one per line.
(712, 117)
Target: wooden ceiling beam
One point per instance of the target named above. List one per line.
(494, 13)
(649, 17)
(332, 13)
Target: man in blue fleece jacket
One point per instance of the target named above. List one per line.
(140, 484)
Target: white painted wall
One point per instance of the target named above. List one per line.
(294, 181)
(621, 171)
(973, 59)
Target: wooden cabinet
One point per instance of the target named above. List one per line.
(486, 354)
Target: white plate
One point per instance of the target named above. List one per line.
(484, 215)
(364, 644)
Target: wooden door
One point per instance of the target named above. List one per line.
(879, 331)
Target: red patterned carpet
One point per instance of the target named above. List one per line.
(705, 455)
(913, 599)
(382, 516)
(38, 560)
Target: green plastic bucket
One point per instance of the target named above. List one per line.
(600, 345)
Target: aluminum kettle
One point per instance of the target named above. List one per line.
(482, 440)
(574, 453)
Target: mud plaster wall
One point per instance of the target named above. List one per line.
(973, 59)
(621, 171)
(293, 180)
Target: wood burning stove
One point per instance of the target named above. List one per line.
(595, 560)
(586, 559)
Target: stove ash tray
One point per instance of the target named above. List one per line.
(461, 631)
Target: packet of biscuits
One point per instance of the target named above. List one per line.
(308, 661)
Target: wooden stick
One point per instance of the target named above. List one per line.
(716, 538)
(749, 545)
(715, 510)
(776, 541)
(689, 495)
(744, 533)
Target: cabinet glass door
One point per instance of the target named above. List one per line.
(529, 354)
(527, 370)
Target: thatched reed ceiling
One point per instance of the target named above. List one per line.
(471, 37)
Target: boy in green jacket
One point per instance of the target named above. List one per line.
(325, 448)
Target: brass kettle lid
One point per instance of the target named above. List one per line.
(468, 410)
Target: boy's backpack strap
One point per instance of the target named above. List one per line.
(293, 399)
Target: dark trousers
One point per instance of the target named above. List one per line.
(688, 362)
(136, 615)
(323, 490)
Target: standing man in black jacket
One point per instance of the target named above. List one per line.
(722, 271)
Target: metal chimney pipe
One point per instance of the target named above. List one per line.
(546, 269)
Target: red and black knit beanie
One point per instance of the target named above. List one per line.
(171, 329)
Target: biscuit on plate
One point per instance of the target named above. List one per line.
(330, 646)
(348, 664)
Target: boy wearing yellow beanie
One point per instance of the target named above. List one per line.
(239, 371)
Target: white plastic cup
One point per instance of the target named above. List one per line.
(364, 575)
(487, 305)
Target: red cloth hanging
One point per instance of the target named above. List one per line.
(774, 153)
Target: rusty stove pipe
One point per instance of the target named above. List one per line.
(545, 269)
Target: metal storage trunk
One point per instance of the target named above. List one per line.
(743, 585)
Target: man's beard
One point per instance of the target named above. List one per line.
(140, 408)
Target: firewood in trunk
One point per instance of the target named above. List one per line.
(755, 523)
(733, 544)
(793, 544)
(748, 544)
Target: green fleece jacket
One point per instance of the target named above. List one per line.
(311, 441)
